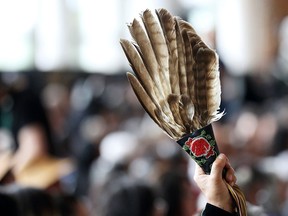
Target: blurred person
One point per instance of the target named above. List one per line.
(115, 188)
(270, 180)
(70, 204)
(6, 156)
(15, 97)
(124, 197)
(271, 82)
(232, 94)
(55, 97)
(34, 162)
(33, 201)
(279, 67)
(178, 193)
(256, 130)
(28, 201)
(8, 205)
(93, 129)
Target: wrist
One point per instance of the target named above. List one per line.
(226, 204)
(214, 210)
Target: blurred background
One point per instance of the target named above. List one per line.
(72, 131)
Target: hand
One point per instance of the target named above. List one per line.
(213, 186)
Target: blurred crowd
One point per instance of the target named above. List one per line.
(81, 144)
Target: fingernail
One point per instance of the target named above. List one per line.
(221, 156)
(230, 178)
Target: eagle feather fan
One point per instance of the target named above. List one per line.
(176, 79)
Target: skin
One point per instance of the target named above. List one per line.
(213, 186)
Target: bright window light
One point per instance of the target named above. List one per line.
(17, 20)
(99, 38)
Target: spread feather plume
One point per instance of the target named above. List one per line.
(176, 77)
(175, 71)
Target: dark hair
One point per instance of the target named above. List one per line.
(131, 200)
(121, 195)
(28, 201)
(66, 204)
(171, 189)
(8, 205)
(32, 201)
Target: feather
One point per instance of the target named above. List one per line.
(141, 71)
(159, 46)
(187, 111)
(150, 58)
(181, 61)
(168, 23)
(146, 51)
(153, 110)
(207, 82)
(189, 65)
(173, 101)
(143, 97)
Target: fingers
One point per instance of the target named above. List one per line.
(219, 164)
(198, 172)
(230, 174)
